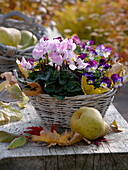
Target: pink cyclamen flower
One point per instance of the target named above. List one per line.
(25, 64)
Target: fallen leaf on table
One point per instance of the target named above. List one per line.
(6, 137)
(53, 138)
(75, 138)
(115, 127)
(17, 142)
(8, 113)
(10, 79)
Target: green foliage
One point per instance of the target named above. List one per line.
(17, 142)
(6, 137)
(104, 21)
(57, 83)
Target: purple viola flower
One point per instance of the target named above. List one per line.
(92, 66)
(87, 47)
(92, 62)
(102, 61)
(107, 66)
(118, 81)
(100, 49)
(90, 42)
(82, 56)
(91, 80)
(92, 54)
(103, 65)
(105, 82)
(107, 52)
(86, 74)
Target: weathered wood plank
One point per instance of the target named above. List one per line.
(112, 155)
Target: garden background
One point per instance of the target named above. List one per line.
(103, 21)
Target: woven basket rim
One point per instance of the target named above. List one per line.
(94, 96)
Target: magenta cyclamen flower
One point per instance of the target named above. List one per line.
(76, 39)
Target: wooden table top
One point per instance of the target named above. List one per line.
(111, 155)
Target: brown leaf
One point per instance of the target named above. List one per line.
(76, 138)
(115, 127)
(32, 89)
(117, 68)
(54, 138)
(10, 79)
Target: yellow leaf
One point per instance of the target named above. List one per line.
(53, 138)
(98, 90)
(3, 85)
(76, 138)
(89, 89)
(85, 87)
(32, 89)
(115, 127)
(10, 79)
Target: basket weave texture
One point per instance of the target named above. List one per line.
(53, 111)
(8, 54)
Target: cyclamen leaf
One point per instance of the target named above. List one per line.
(6, 137)
(17, 142)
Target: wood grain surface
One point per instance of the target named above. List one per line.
(112, 155)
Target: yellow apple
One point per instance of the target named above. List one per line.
(27, 39)
(10, 36)
(89, 123)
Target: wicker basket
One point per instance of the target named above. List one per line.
(8, 54)
(59, 112)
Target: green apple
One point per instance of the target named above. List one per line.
(89, 123)
(27, 39)
(10, 36)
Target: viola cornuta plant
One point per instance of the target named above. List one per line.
(70, 67)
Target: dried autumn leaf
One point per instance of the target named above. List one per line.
(3, 85)
(125, 79)
(115, 127)
(9, 77)
(32, 89)
(75, 138)
(53, 138)
(117, 68)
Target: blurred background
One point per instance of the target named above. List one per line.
(103, 21)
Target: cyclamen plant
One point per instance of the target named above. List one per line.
(60, 64)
